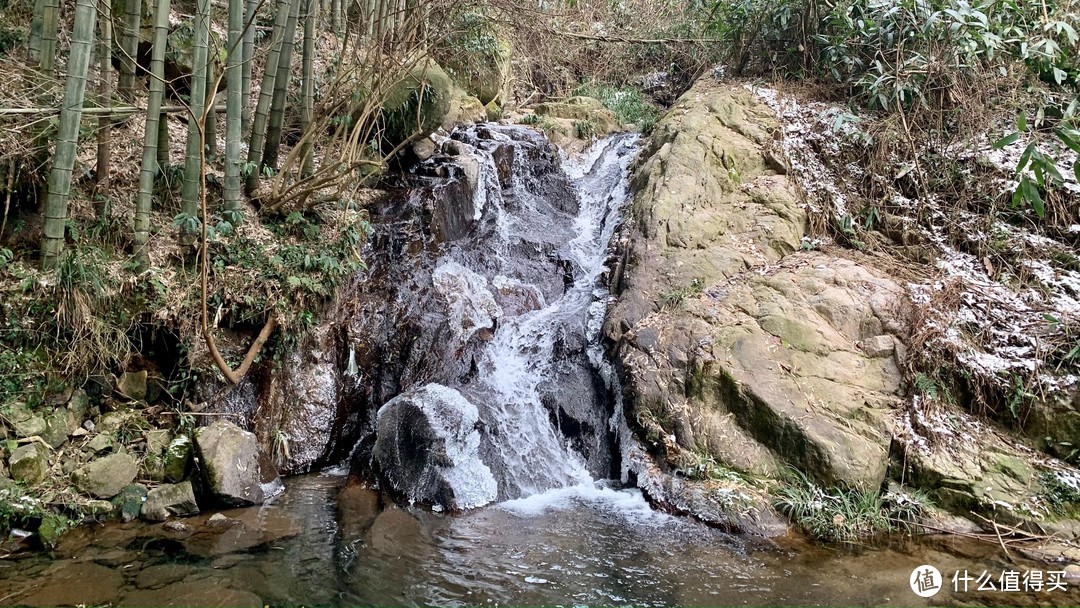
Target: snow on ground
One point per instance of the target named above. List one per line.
(999, 323)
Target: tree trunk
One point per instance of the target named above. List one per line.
(104, 123)
(266, 94)
(129, 47)
(162, 143)
(82, 47)
(34, 43)
(196, 119)
(150, 142)
(49, 24)
(307, 89)
(247, 54)
(234, 107)
(335, 18)
(281, 87)
(210, 139)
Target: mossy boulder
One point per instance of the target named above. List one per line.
(464, 109)
(477, 56)
(416, 105)
(176, 460)
(29, 463)
(105, 477)
(736, 343)
(581, 109)
(128, 503)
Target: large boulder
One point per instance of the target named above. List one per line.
(417, 104)
(105, 477)
(236, 471)
(483, 70)
(736, 343)
(428, 448)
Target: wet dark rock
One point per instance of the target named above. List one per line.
(129, 502)
(236, 471)
(427, 447)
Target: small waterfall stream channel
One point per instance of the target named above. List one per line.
(481, 400)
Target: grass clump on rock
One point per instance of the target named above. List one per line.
(842, 514)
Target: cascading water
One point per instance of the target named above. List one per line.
(526, 297)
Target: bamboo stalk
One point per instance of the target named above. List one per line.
(281, 86)
(307, 92)
(151, 141)
(104, 133)
(67, 139)
(129, 47)
(190, 191)
(266, 94)
(234, 105)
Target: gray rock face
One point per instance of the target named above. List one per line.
(428, 447)
(732, 340)
(236, 471)
(105, 477)
(29, 463)
(169, 499)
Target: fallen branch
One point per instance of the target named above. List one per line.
(631, 40)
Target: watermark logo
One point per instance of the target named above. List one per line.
(925, 581)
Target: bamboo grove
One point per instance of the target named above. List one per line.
(352, 58)
(377, 44)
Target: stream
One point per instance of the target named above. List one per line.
(520, 434)
(328, 543)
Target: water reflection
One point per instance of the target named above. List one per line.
(328, 544)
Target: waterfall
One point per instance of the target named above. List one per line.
(524, 294)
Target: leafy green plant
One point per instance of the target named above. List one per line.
(1060, 494)
(705, 467)
(586, 129)
(1036, 170)
(530, 119)
(627, 103)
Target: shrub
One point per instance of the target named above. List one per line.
(628, 104)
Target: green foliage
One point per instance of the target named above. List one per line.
(18, 507)
(295, 274)
(1060, 494)
(627, 103)
(1037, 171)
(586, 129)
(530, 119)
(841, 514)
